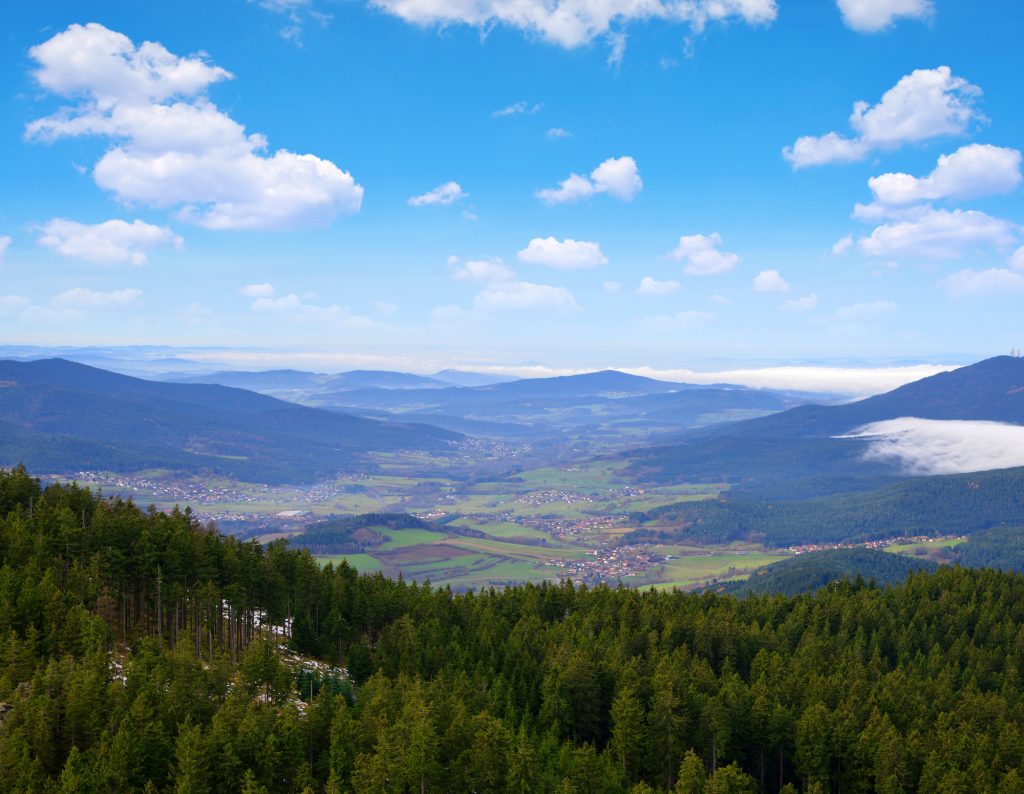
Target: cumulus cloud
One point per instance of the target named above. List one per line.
(702, 256)
(84, 298)
(484, 270)
(445, 194)
(927, 103)
(297, 308)
(558, 132)
(12, 304)
(517, 108)
(616, 176)
(172, 147)
(933, 446)
(842, 245)
(770, 281)
(651, 286)
(524, 295)
(110, 243)
(612, 287)
(571, 24)
(939, 234)
(258, 290)
(970, 172)
(805, 304)
(565, 254)
(994, 281)
(872, 16)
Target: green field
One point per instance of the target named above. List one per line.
(403, 538)
(690, 571)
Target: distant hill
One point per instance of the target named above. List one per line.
(956, 504)
(61, 416)
(459, 377)
(801, 443)
(806, 573)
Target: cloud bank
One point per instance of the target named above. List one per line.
(934, 446)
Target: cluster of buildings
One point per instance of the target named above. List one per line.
(610, 564)
(871, 544)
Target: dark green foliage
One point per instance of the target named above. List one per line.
(1001, 548)
(130, 660)
(354, 534)
(800, 446)
(806, 572)
(62, 416)
(942, 505)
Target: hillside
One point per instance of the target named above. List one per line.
(808, 572)
(939, 505)
(67, 417)
(178, 659)
(801, 443)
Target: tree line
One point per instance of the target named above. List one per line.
(135, 655)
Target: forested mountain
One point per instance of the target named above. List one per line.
(132, 658)
(1001, 548)
(807, 572)
(62, 416)
(954, 504)
(794, 447)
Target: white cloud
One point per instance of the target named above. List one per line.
(565, 254)
(935, 446)
(558, 132)
(12, 304)
(721, 300)
(484, 270)
(296, 308)
(111, 242)
(5, 241)
(264, 290)
(927, 103)
(842, 245)
(804, 304)
(517, 108)
(770, 281)
(616, 176)
(701, 254)
(612, 287)
(872, 16)
(524, 295)
(296, 12)
(864, 311)
(385, 309)
(445, 194)
(994, 281)
(859, 381)
(570, 23)
(651, 286)
(172, 147)
(971, 171)
(1017, 259)
(939, 234)
(84, 298)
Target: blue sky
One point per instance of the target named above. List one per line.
(653, 189)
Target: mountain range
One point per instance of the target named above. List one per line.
(62, 416)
